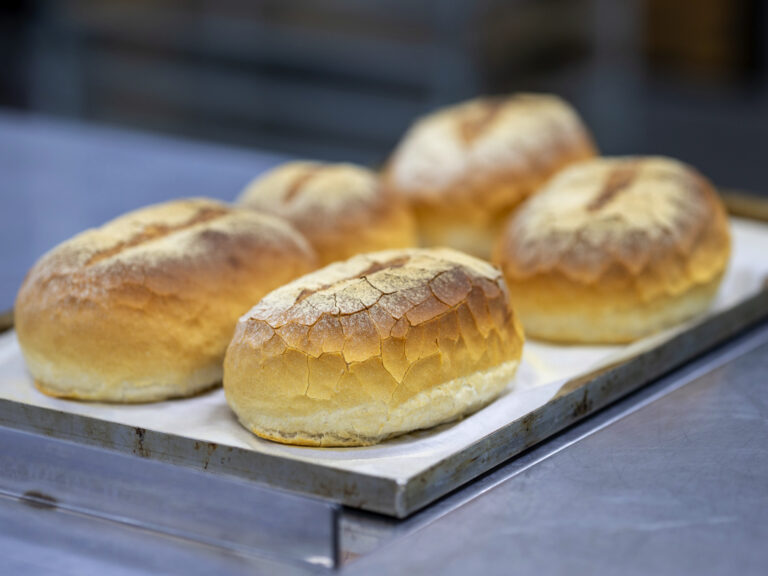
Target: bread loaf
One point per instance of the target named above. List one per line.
(466, 167)
(615, 249)
(373, 347)
(340, 208)
(143, 307)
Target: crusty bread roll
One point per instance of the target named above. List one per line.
(615, 249)
(465, 168)
(340, 208)
(143, 308)
(373, 347)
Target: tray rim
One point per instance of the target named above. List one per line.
(586, 394)
(575, 400)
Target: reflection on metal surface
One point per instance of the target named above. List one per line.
(212, 510)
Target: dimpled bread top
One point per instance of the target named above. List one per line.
(618, 211)
(526, 134)
(340, 208)
(395, 308)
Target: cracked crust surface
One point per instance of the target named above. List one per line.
(614, 249)
(142, 308)
(466, 167)
(340, 208)
(373, 347)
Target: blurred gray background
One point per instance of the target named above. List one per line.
(342, 79)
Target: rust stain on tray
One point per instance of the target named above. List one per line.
(138, 443)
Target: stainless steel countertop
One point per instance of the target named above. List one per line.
(672, 480)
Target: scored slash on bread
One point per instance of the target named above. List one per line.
(142, 308)
(340, 208)
(466, 167)
(613, 249)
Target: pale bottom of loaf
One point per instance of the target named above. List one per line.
(472, 239)
(607, 325)
(370, 424)
(61, 383)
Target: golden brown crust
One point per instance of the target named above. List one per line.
(614, 249)
(340, 208)
(143, 307)
(379, 345)
(465, 168)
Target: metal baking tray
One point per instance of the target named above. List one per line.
(556, 386)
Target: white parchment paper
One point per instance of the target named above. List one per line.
(543, 370)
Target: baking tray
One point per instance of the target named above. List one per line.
(555, 387)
